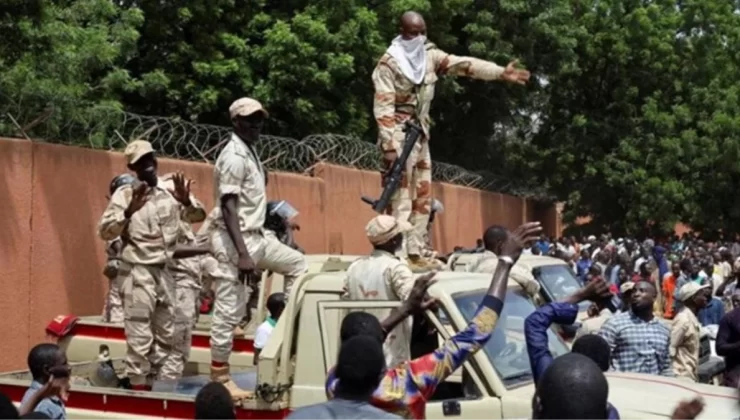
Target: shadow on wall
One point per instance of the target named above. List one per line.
(52, 196)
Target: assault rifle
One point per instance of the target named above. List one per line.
(392, 178)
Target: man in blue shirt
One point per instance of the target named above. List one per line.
(47, 362)
(537, 324)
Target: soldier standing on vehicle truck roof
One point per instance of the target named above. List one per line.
(384, 276)
(404, 80)
(189, 275)
(237, 234)
(113, 306)
(148, 218)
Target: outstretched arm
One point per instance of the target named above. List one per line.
(475, 68)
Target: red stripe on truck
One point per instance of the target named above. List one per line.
(113, 332)
(138, 404)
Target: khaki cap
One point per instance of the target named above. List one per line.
(690, 289)
(626, 287)
(136, 149)
(383, 228)
(244, 107)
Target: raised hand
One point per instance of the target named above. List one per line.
(182, 189)
(514, 75)
(418, 299)
(138, 199)
(515, 241)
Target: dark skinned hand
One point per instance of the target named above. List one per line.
(515, 241)
(138, 199)
(182, 189)
(688, 410)
(514, 75)
(418, 299)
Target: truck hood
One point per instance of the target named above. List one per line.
(647, 396)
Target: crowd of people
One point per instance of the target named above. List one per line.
(158, 266)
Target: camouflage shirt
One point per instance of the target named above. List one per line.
(397, 98)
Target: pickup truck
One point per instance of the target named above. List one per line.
(83, 342)
(292, 367)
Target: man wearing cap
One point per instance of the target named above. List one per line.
(237, 237)
(113, 306)
(384, 276)
(148, 218)
(404, 80)
(686, 330)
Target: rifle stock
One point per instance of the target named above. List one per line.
(393, 178)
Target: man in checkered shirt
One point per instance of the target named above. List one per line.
(639, 342)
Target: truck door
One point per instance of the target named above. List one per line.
(462, 395)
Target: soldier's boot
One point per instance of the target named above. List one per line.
(221, 374)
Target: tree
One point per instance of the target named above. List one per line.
(64, 56)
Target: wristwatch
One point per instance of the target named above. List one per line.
(507, 259)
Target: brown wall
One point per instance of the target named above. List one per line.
(51, 197)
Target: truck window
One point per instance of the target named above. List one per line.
(507, 349)
(558, 282)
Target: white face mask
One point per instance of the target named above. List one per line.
(411, 56)
(412, 45)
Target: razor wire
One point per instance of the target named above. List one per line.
(107, 127)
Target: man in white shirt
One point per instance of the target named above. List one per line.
(275, 306)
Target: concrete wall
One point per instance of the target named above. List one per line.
(52, 196)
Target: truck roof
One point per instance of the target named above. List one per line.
(448, 282)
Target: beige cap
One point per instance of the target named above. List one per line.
(136, 149)
(690, 289)
(243, 107)
(626, 287)
(383, 228)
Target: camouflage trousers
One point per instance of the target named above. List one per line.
(113, 307)
(186, 310)
(232, 294)
(148, 322)
(412, 202)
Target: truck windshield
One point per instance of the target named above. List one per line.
(507, 349)
(559, 282)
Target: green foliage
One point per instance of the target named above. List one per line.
(631, 118)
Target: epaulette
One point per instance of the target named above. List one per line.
(430, 46)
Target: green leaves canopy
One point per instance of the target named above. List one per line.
(631, 118)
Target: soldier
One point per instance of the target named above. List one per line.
(113, 307)
(237, 234)
(147, 217)
(384, 276)
(190, 275)
(404, 80)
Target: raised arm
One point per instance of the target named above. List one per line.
(384, 106)
(475, 68)
(115, 218)
(430, 370)
(563, 313)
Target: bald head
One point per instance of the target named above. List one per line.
(412, 25)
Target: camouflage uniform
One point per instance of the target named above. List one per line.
(151, 236)
(238, 171)
(113, 307)
(383, 276)
(397, 100)
(189, 275)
